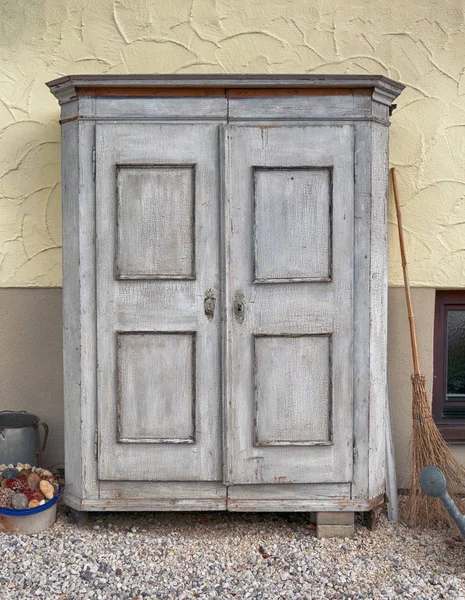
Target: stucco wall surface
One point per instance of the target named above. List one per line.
(421, 44)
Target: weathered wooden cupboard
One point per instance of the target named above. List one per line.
(225, 291)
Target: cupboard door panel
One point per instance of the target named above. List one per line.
(289, 218)
(156, 387)
(163, 217)
(158, 377)
(292, 224)
(288, 370)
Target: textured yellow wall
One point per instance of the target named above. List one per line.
(421, 43)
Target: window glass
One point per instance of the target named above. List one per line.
(455, 353)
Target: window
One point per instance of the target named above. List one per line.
(449, 365)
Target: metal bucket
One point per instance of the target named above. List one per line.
(20, 437)
(29, 520)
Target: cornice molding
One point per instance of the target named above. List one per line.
(67, 88)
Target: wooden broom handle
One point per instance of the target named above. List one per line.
(411, 317)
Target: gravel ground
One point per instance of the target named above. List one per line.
(212, 555)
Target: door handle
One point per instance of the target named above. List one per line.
(239, 307)
(209, 305)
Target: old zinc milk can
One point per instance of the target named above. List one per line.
(20, 439)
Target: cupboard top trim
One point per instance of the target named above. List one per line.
(68, 88)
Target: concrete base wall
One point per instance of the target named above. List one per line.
(400, 367)
(31, 372)
(31, 365)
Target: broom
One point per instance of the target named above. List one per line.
(428, 445)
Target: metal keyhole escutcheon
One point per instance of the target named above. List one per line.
(239, 308)
(209, 305)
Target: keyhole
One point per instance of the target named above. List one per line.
(239, 310)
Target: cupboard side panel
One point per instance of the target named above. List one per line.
(88, 309)
(362, 240)
(378, 309)
(71, 308)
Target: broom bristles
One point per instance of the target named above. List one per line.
(429, 448)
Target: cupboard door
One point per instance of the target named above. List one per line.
(289, 221)
(157, 254)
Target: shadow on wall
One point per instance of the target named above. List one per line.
(31, 366)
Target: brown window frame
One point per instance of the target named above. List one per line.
(452, 429)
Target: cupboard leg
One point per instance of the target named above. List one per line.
(335, 524)
(370, 518)
(77, 517)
